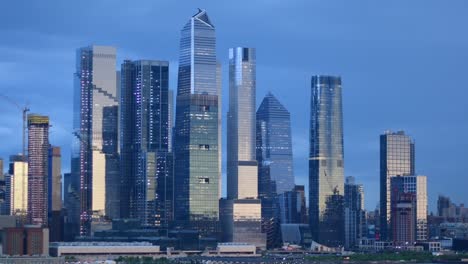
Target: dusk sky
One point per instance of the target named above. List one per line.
(403, 65)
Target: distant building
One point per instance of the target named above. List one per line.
(403, 219)
(397, 157)
(416, 185)
(38, 149)
(27, 240)
(16, 183)
(296, 234)
(55, 194)
(292, 206)
(354, 212)
(326, 161)
(450, 211)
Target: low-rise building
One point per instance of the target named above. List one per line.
(58, 249)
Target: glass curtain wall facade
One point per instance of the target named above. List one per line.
(146, 164)
(397, 156)
(18, 181)
(354, 212)
(242, 167)
(326, 164)
(95, 88)
(38, 150)
(274, 147)
(275, 163)
(242, 170)
(197, 142)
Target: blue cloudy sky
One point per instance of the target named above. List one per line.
(403, 63)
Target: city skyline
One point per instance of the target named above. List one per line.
(368, 139)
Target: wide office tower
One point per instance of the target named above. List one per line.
(417, 186)
(146, 165)
(353, 212)
(397, 156)
(54, 195)
(197, 129)
(95, 88)
(326, 164)
(17, 186)
(38, 149)
(274, 148)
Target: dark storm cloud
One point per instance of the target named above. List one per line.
(403, 65)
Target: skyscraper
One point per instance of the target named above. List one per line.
(353, 212)
(95, 88)
(396, 158)
(38, 149)
(275, 165)
(417, 186)
(145, 165)
(55, 194)
(326, 164)
(197, 129)
(274, 148)
(242, 205)
(17, 181)
(110, 148)
(242, 169)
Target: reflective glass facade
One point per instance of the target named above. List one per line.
(326, 164)
(242, 167)
(146, 166)
(196, 161)
(18, 180)
(197, 136)
(95, 88)
(354, 212)
(274, 148)
(38, 150)
(397, 157)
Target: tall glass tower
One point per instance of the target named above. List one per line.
(242, 210)
(326, 165)
(145, 141)
(95, 88)
(275, 163)
(274, 148)
(197, 141)
(38, 153)
(241, 157)
(396, 159)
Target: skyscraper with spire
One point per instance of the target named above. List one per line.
(197, 130)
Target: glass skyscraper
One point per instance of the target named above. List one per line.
(38, 152)
(95, 88)
(274, 148)
(243, 210)
(147, 189)
(326, 164)
(242, 169)
(275, 163)
(396, 158)
(197, 142)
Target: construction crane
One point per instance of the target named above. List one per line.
(24, 110)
